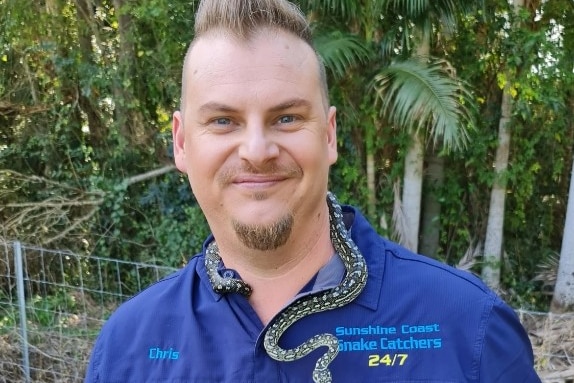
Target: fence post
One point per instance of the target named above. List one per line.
(22, 308)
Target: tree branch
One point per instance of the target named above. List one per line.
(151, 174)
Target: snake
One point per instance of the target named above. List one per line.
(344, 293)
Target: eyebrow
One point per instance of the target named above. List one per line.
(219, 107)
(292, 103)
(216, 107)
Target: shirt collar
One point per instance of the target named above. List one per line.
(333, 272)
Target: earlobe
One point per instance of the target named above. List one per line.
(332, 134)
(178, 135)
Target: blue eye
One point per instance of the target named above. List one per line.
(222, 121)
(286, 119)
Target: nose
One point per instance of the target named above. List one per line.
(258, 144)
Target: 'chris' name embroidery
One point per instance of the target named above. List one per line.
(158, 353)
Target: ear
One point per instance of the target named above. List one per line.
(178, 134)
(332, 135)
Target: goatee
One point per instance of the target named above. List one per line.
(265, 237)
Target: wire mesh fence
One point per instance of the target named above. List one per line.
(53, 304)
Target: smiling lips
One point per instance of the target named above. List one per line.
(249, 177)
(256, 181)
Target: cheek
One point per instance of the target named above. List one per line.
(205, 157)
(310, 153)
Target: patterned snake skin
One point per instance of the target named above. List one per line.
(351, 286)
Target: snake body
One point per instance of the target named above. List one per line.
(351, 286)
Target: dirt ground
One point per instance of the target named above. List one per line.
(552, 337)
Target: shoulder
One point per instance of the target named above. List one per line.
(402, 266)
(432, 271)
(422, 286)
(472, 318)
(168, 295)
(139, 319)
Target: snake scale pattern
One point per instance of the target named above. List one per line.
(351, 286)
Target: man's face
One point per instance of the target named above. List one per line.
(254, 135)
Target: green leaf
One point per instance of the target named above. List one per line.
(340, 51)
(415, 95)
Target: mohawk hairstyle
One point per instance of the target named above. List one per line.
(243, 18)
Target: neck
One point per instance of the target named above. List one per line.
(277, 276)
(272, 292)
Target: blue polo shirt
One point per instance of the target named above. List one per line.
(417, 320)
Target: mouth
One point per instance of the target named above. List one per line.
(254, 180)
(258, 181)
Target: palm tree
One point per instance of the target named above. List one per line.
(496, 210)
(415, 93)
(348, 36)
(412, 92)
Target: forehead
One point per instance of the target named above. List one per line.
(281, 44)
(218, 59)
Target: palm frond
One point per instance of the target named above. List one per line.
(425, 13)
(415, 95)
(340, 52)
(469, 259)
(547, 271)
(346, 9)
(411, 8)
(435, 8)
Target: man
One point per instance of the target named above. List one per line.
(280, 292)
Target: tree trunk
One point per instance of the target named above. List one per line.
(372, 204)
(495, 225)
(563, 299)
(414, 163)
(370, 169)
(52, 7)
(430, 224)
(412, 191)
(127, 114)
(86, 98)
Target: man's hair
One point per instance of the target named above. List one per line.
(243, 19)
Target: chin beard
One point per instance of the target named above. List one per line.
(269, 237)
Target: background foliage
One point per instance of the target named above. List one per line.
(87, 88)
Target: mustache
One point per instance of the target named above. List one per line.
(227, 175)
